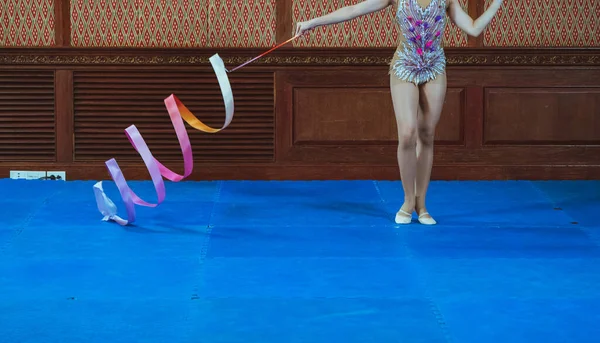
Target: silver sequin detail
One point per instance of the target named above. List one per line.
(421, 57)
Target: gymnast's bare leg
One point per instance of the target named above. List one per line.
(417, 110)
(432, 96)
(418, 82)
(405, 97)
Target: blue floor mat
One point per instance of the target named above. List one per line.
(316, 212)
(577, 199)
(96, 320)
(481, 203)
(318, 320)
(310, 278)
(311, 262)
(307, 241)
(291, 191)
(511, 278)
(517, 241)
(98, 278)
(522, 320)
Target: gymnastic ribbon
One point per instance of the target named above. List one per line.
(178, 114)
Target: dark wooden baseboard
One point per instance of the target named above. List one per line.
(327, 172)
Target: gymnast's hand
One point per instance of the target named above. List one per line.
(304, 26)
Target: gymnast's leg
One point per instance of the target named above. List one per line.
(405, 97)
(432, 96)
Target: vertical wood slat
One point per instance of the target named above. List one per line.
(64, 119)
(474, 116)
(284, 21)
(476, 8)
(62, 19)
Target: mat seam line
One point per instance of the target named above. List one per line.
(210, 225)
(582, 228)
(192, 313)
(435, 310)
(378, 190)
(25, 223)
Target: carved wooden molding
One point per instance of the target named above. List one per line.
(570, 60)
(299, 57)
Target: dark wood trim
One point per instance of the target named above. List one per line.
(513, 155)
(476, 8)
(63, 88)
(284, 18)
(474, 12)
(97, 171)
(473, 123)
(283, 115)
(287, 56)
(62, 19)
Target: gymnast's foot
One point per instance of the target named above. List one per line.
(424, 217)
(404, 215)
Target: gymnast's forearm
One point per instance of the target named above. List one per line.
(338, 16)
(484, 20)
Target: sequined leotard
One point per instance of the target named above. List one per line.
(420, 56)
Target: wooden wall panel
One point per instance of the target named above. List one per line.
(321, 121)
(362, 115)
(307, 111)
(349, 116)
(106, 103)
(550, 115)
(27, 131)
(450, 130)
(495, 124)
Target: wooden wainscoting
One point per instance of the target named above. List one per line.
(27, 126)
(346, 117)
(106, 102)
(300, 113)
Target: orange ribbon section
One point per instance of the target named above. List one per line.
(178, 114)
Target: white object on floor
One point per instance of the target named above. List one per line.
(403, 217)
(426, 220)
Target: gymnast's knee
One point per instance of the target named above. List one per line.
(407, 138)
(426, 135)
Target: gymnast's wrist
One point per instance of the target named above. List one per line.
(313, 23)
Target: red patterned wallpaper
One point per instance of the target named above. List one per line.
(545, 23)
(173, 23)
(374, 30)
(26, 23)
(252, 23)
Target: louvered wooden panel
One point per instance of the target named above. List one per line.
(106, 103)
(27, 116)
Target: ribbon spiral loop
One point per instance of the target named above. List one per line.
(178, 113)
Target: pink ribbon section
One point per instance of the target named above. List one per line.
(177, 112)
